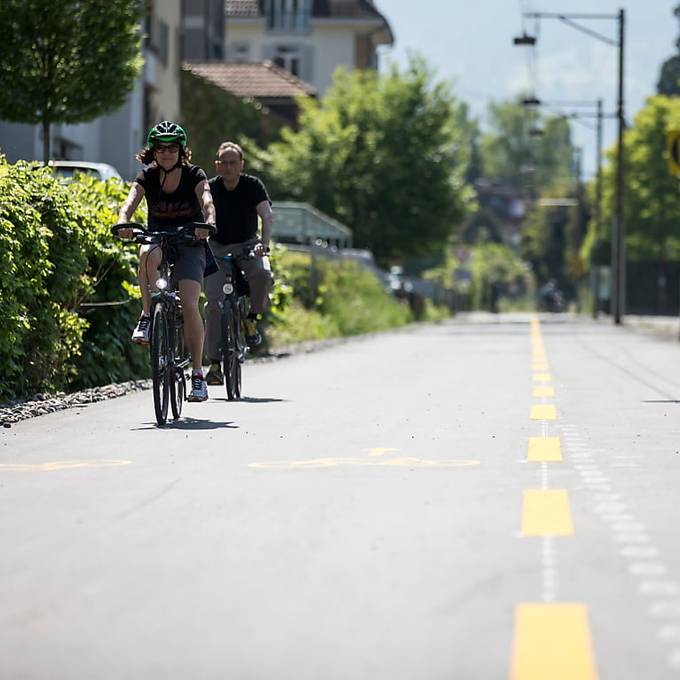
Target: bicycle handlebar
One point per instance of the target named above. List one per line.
(143, 235)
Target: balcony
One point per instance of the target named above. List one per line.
(288, 22)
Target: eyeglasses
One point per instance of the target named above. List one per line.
(169, 148)
(228, 162)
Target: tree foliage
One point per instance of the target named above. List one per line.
(652, 196)
(212, 116)
(551, 242)
(67, 61)
(669, 78)
(513, 156)
(57, 256)
(386, 155)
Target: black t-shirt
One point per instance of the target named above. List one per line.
(236, 209)
(172, 210)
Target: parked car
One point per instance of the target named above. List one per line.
(67, 169)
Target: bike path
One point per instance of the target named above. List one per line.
(380, 509)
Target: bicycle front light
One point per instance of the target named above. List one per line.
(161, 284)
(227, 288)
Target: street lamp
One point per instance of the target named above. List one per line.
(525, 39)
(618, 294)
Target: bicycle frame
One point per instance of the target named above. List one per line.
(234, 311)
(168, 356)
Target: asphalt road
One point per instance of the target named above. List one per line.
(494, 497)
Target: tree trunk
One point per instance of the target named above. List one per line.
(46, 139)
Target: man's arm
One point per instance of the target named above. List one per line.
(264, 210)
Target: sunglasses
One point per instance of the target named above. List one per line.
(170, 148)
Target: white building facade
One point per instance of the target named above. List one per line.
(309, 38)
(116, 138)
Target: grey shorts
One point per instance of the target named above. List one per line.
(189, 263)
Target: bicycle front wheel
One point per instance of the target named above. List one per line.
(231, 366)
(177, 381)
(160, 362)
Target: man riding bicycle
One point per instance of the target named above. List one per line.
(239, 199)
(176, 192)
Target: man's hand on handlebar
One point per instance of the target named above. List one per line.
(260, 250)
(201, 234)
(125, 233)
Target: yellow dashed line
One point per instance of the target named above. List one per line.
(544, 449)
(546, 512)
(552, 642)
(542, 377)
(61, 465)
(544, 391)
(543, 412)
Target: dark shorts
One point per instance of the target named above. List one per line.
(189, 263)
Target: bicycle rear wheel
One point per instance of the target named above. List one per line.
(231, 367)
(160, 355)
(177, 382)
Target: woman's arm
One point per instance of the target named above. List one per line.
(128, 208)
(133, 199)
(207, 206)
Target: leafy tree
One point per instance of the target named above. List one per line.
(67, 61)
(512, 155)
(386, 155)
(212, 115)
(651, 202)
(669, 79)
(551, 240)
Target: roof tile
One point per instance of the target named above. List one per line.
(265, 80)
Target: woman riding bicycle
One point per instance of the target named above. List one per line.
(176, 193)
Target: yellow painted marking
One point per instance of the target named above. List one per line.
(542, 377)
(61, 465)
(379, 451)
(543, 412)
(552, 642)
(540, 367)
(546, 512)
(543, 449)
(383, 462)
(545, 391)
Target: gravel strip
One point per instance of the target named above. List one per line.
(41, 404)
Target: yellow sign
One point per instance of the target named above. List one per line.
(673, 145)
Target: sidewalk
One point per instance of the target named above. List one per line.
(666, 326)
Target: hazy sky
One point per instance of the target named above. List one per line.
(470, 42)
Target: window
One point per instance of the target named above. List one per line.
(239, 52)
(288, 15)
(163, 42)
(288, 57)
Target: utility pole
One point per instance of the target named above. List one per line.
(618, 278)
(619, 240)
(597, 212)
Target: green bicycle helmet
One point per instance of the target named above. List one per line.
(167, 131)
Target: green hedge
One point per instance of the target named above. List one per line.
(58, 261)
(56, 254)
(329, 298)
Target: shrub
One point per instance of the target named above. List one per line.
(56, 254)
(329, 298)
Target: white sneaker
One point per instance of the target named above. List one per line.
(199, 388)
(140, 335)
